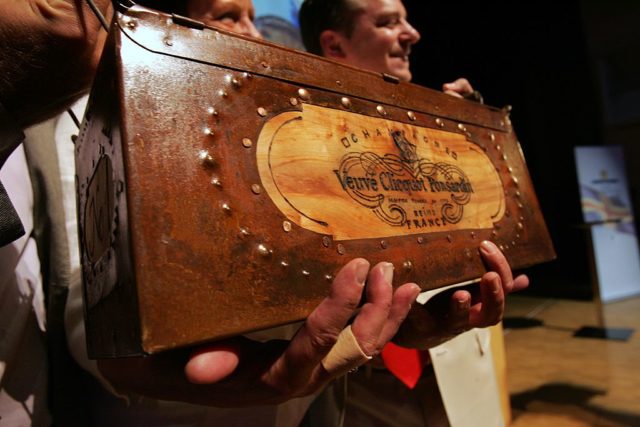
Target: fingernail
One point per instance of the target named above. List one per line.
(362, 270)
(487, 247)
(495, 286)
(387, 271)
(463, 304)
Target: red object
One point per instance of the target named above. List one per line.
(406, 364)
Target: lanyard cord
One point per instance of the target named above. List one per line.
(98, 14)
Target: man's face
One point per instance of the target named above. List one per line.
(382, 38)
(231, 15)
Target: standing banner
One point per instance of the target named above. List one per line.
(607, 210)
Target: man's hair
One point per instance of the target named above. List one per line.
(316, 16)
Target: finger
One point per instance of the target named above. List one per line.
(453, 93)
(403, 299)
(460, 87)
(496, 261)
(458, 316)
(321, 329)
(370, 321)
(519, 283)
(212, 363)
(491, 308)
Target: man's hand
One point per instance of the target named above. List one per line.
(461, 88)
(49, 50)
(241, 372)
(457, 310)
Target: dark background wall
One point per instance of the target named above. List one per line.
(571, 71)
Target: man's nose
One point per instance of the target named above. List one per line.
(247, 28)
(409, 34)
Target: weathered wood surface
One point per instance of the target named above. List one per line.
(223, 182)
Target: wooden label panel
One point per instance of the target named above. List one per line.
(353, 176)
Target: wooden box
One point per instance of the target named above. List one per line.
(223, 181)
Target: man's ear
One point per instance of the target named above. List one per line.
(331, 43)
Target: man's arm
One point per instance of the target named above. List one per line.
(49, 50)
(241, 372)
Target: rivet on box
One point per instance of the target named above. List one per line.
(216, 181)
(507, 213)
(305, 273)
(262, 112)
(328, 277)
(515, 180)
(462, 127)
(236, 83)
(246, 75)
(510, 169)
(518, 194)
(131, 23)
(284, 264)
(506, 247)
(467, 253)
(520, 205)
(449, 238)
(223, 93)
(517, 236)
(225, 207)
(168, 41)
(244, 232)
(384, 244)
(208, 131)
(520, 226)
(407, 265)
(492, 137)
(341, 249)
(293, 101)
(263, 250)
(246, 143)
(381, 110)
(326, 241)
(439, 122)
(411, 115)
(494, 233)
(346, 102)
(212, 111)
(420, 240)
(473, 235)
(264, 64)
(205, 157)
(304, 94)
(256, 189)
(498, 147)
(513, 243)
(286, 226)
(501, 123)
(504, 157)
(521, 218)
(501, 247)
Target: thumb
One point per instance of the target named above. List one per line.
(212, 363)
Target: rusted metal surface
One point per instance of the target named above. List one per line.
(182, 244)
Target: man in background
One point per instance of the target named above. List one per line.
(376, 35)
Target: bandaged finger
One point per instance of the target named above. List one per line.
(345, 355)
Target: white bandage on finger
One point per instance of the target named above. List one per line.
(345, 355)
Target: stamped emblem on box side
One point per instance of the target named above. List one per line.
(355, 176)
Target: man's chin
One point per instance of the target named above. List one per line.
(403, 74)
